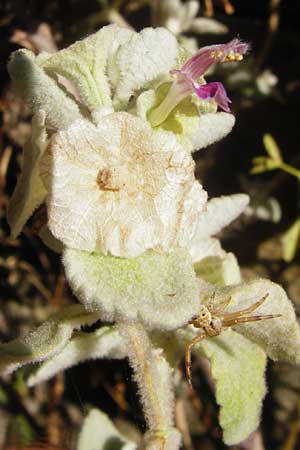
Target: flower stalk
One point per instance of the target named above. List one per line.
(153, 376)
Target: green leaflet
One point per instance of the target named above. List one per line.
(46, 340)
(160, 290)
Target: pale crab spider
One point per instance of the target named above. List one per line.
(212, 321)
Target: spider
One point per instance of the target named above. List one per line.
(212, 321)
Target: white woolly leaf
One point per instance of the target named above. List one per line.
(103, 343)
(29, 192)
(220, 212)
(160, 290)
(145, 59)
(237, 367)
(86, 64)
(99, 433)
(120, 187)
(212, 127)
(219, 270)
(45, 341)
(41, 91)
(279, 337)
(205, 248)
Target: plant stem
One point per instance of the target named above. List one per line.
(290, 169)
(153, 376)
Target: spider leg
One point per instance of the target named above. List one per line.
(234, 321)
(223, 305)
(188, 350)
(248, 310)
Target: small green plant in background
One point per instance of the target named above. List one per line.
(290, 239)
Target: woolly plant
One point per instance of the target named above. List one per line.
(116, 118)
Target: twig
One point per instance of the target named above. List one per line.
(273, 24)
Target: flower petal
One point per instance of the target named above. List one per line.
(215, 91)
(199, 63)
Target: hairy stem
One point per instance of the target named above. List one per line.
(153, 376)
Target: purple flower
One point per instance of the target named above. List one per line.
(186, 79)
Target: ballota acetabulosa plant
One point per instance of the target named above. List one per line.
(116, 118)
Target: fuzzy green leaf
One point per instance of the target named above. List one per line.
(160, 290)
(46, 340)
(103, 343)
